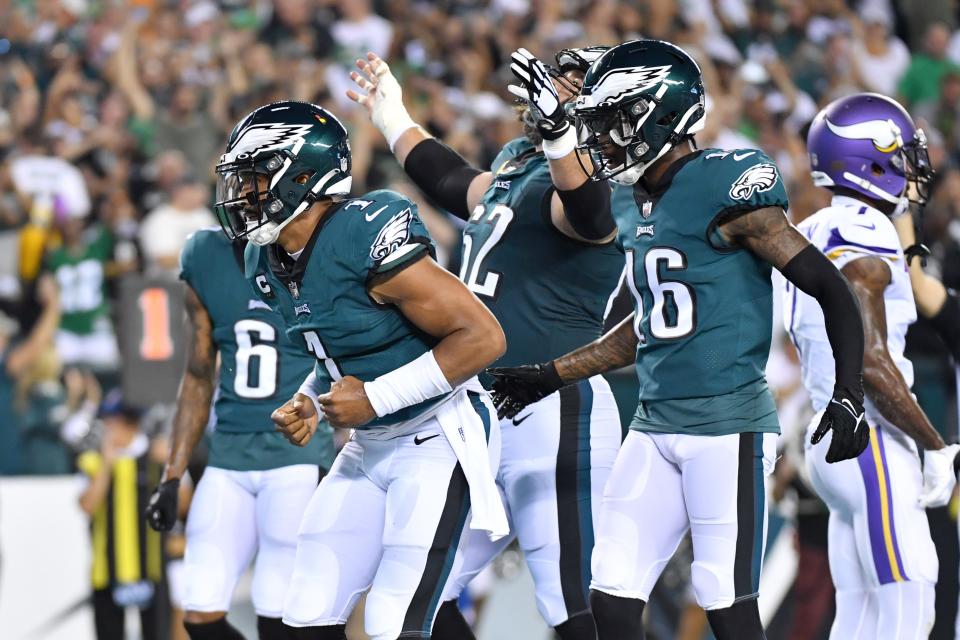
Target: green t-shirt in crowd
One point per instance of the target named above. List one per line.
(921, 82)
(80, 272)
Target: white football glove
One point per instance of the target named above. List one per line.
(382, 96)
(938, 476)
(537, 89)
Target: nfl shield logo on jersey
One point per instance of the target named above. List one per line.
(647, 209)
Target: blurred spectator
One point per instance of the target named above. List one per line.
(80, 264)
(16, 358)
(49, 182)
(112, 116)
(13, 215)
(165, 229)
(880, 57)
(127, 569)
(943, 111)
(357, 31)
(41, 404)
(921, 81)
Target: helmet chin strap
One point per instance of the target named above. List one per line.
(872, 188)
(269, 232)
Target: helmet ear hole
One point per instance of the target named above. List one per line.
(667, 119)
(302, 178)
(876, 169)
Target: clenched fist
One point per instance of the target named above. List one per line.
(297, 419)
(346, 404)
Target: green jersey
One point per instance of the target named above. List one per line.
(548, 291)
(703, 308)
(80, 274)
(323, 297)
(260, 368)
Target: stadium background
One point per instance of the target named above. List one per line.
(113, 113)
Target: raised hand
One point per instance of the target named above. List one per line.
(381, 95)
(536, 88)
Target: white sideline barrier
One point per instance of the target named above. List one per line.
(44, 560)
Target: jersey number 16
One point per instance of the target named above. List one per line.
(674, 311)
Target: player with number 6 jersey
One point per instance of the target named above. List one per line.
(257, 485)
(538, 251)
(701, 230)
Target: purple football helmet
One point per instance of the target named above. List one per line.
(868, 143)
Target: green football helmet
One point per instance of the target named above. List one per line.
(639, 100)
(280, 159)
(576, 62)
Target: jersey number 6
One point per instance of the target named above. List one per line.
(257, 361)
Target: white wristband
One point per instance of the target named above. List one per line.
(406, 386)
(311, 388)
(562, 146)
(388, 113)
(396, 127)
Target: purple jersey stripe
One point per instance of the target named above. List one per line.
(871, 486)
(836, 240)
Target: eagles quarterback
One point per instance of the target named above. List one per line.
(700, 230)
(866, 149)
(256, 486)
(538, 251)
(398, 342)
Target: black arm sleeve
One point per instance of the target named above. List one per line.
(442, 174)
(812, 273)
(947, 323)
(587, 209)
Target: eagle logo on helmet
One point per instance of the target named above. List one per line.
(618, 84)
(258, 138)
(392, 236)
(756, 179)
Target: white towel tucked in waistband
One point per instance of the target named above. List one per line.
(479, 459)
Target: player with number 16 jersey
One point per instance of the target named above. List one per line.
(257, 485)
(701, 230)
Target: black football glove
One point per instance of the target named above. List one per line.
(536, 88)
(851, 434)
(161, 511)
(516, 387)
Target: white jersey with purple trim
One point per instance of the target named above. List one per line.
(846, 230)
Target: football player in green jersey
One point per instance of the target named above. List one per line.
(398, 342)
(538, 251)
(257, 485)
(701, 230)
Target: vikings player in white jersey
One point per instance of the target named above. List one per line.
(866, 149)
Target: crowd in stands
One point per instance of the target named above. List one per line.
(113, 114)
